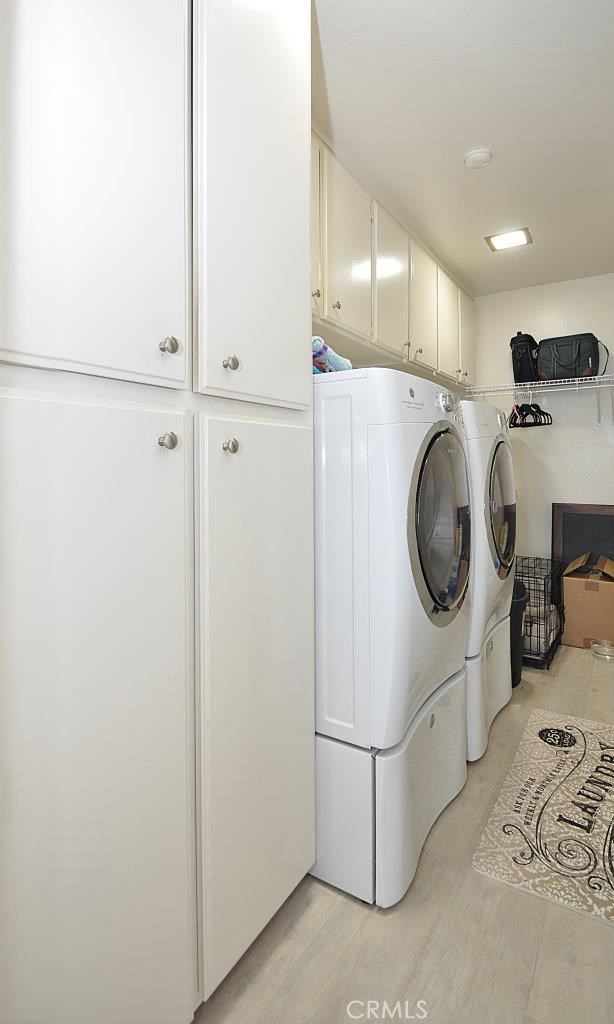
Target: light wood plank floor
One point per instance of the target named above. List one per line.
(476, 950)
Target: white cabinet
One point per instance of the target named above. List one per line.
(347, 218)
(252, 116)
(391, 282)
(467, 339)
(94, 255)
(423, 307)
(316, 233)
(95, 698)
(448, 353)
(256, 547)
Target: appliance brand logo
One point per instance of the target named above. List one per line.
(412, 402)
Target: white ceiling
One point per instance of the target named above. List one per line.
(404, 88)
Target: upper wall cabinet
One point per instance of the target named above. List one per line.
(447, 325)
(316, 234)
(391, 282)
(423, 307)
(252, 144)
(93, 188)
(347, 247)
(467, 339)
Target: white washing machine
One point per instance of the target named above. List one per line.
(493, 495)
(393, 545)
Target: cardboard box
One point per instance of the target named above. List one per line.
(588, 596)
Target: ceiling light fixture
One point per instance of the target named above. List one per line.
(508, 239)
(477, 158)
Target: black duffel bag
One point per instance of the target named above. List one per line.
(524, 358)
(575, 355)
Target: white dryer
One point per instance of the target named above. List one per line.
(393, 547)
(493, 494)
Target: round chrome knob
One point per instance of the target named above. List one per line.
(418, 351)
(316, 294)
(465, 373)
(231, 363)
(170, 345)
(337, 304)
(447, 402)
(168, 440)
(231, 445)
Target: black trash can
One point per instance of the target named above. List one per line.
(520, 600)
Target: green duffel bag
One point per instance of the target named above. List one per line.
(576, 355)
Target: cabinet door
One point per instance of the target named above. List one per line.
(316, 235)
(258, 678)
(391, 282)
(94, 121)
(423, 307)
(253, 114)
(95, 669)
(467, 339)
(347, 286)
(447, 325)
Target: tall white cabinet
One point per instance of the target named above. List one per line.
(257, 670)
(156, 518)
(96, 694)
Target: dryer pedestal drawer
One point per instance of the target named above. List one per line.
(376, 808)
(489, 687)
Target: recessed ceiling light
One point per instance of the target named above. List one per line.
(477, 158)
(508, 239)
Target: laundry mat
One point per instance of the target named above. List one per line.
(551, 830)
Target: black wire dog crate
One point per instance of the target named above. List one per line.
(544, 615)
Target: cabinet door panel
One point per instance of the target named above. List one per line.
(423, 307)
(316, 235)
(347, 289)
(93, 263)
(96, 759)
(447, 325)
(467, 338)
(253, 113)
(391, 282)
(258, 678)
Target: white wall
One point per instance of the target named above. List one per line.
(572, 461)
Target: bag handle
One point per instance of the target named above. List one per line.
(574, 360)
(607, 357)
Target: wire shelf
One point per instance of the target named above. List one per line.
(536, 386)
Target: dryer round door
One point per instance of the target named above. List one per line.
(500, 505)
(439, 524)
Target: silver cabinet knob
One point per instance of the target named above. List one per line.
(231, 445)
(418, 351)
(316, 294)
(466, 373)
(168, 440)
(337, 304)
(231, 363)
(170, 345)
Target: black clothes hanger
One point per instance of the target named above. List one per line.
(529, 415)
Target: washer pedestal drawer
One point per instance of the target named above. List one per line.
(489, 687)
(376, 808)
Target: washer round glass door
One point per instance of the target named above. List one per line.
(501, 509)
(439, 524)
